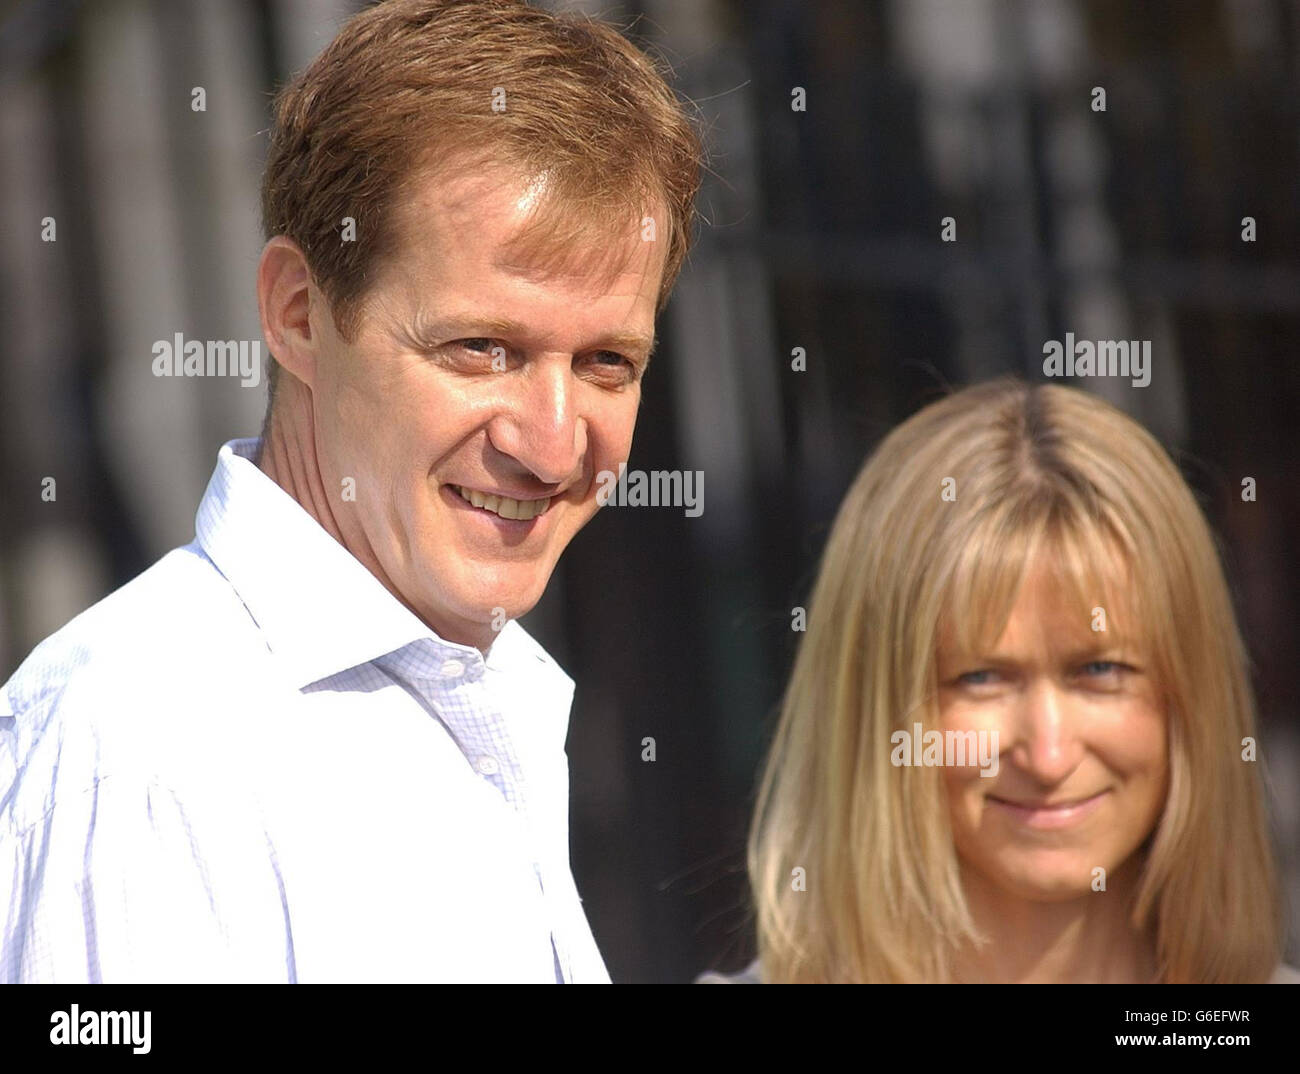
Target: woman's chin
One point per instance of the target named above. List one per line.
(1036, 880)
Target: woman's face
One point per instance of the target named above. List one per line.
(1082, 741)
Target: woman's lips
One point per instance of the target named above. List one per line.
(1043, 816)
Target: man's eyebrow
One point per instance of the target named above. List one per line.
(474, 327)
(632, 341)
(466, 327)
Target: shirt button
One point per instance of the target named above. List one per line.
(487, 766)
(452, 669)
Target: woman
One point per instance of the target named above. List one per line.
(1023, 572)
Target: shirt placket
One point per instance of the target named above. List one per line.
(482, 733)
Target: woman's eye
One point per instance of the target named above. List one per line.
(977, 678)
(1097, 668)
(1105, 675)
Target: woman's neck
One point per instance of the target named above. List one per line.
(1087, 939)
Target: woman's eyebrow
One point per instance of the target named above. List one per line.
(1109, 650)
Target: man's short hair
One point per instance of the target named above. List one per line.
(410, 85)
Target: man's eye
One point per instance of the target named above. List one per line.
(613, 368)
(482, 346)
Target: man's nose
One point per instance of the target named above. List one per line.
(1047, 743)
(541, 427)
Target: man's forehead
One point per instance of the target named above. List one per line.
(466, 184)
(471, 252)
(457, 209)
(519, 218)
(507, 197)
(611, 270)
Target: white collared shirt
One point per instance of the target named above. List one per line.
(253, 763)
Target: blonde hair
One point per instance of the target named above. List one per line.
(1033, 469)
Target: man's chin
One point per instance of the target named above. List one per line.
(492, 609)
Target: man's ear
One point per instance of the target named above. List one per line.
(284, 295)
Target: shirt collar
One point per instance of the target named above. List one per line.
(318, 607)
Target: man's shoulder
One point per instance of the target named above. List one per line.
(751, 974)
(134, 635)
(132, 679)
(155, 651)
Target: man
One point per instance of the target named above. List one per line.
(314, 745)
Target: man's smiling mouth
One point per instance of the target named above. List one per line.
(504, 506)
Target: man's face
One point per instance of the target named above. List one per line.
(474, 371)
